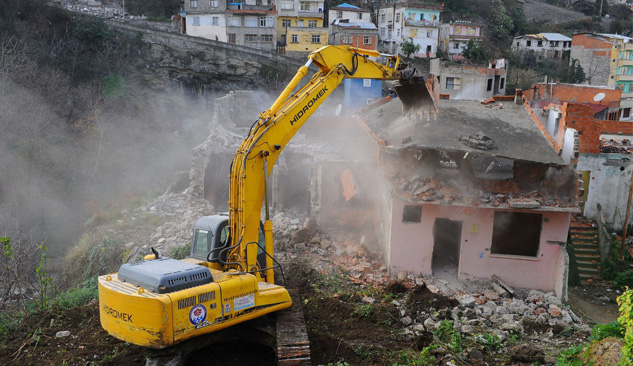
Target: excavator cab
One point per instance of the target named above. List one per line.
(211, 237)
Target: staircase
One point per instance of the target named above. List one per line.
(584, 240)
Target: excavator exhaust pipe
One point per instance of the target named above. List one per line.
(420, 96)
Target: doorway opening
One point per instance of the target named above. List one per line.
(447, 235)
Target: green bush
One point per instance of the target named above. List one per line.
(78, 296)
(180, 251)
(626, 320)
(624, 279)
(570, 356)
(602, 331)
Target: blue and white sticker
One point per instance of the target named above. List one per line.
(244, 302)
(197, 314)
(227, 307)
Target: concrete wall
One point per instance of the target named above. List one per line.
(594, 55)
(206, 28)
(609, 184)
(206, 56)
(473, 80)
(412, 246)
(569, 142)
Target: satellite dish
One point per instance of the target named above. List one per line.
(599, 97)
(338, 109)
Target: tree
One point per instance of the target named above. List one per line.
(575, 73)
(500, 22)
(474, 51)
(408, 47)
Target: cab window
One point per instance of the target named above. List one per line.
(201, 247)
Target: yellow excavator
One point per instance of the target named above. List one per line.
(229, 278)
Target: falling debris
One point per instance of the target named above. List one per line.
(349, 188)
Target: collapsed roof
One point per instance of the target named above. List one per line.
(509, 125)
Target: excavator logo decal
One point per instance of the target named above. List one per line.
(308, 106)
(197, 314)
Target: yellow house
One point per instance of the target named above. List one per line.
(300, 26)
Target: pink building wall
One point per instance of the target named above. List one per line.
(411, 247)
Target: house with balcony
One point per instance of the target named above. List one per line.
(206, 19)
(252, 23)
(455, 36)
(416, 22)
(300, 26)
(607, 59)
(348, 13)
(542, 46)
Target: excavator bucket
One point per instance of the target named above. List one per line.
(420, 95)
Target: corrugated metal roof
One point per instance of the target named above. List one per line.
(547, 36)
(555, 37)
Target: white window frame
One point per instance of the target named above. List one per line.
(346, 40)
(366, 83)
(312, 23)
(304, 6)
(265, 22)
(316, 38)
(195, 21)
(287, 5)
(193, 4)
(366, 40)
(285, 23)
(214, 3)
(294, 38)
(215, 20)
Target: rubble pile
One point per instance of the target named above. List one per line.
(478, 141)
(616, 147)
(416, 189)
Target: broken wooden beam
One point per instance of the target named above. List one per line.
(503, 284)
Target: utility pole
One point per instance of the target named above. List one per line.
(600, 12)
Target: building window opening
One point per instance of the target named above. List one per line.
(516, 233)
(489, 87)
(412, 214)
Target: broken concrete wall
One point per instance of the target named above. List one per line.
(609, 185)
(350, 195)
(412, 245)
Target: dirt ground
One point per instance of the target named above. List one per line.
(342, 327)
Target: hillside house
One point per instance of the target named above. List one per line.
(300, 26)
(607, 59)
(206, 19)
(455, 36)
(416, 22)
(542, 46)
(471, 82)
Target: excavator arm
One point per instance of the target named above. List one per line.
(274, 128)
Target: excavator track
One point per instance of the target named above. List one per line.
(284, 331)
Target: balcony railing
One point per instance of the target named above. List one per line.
(421, 23)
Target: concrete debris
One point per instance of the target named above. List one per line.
(433, 190)
(478, 141)
(61, 334)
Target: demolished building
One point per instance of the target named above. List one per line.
(479, 191)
